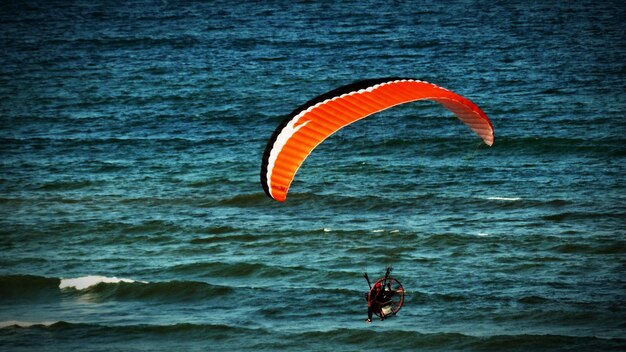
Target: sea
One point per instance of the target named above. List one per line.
(132, 217)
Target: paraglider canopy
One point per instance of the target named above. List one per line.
(311, 123)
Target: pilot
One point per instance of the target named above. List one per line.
(373, 299)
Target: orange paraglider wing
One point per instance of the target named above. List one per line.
(310, 124)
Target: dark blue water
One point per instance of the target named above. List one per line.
(131, 136)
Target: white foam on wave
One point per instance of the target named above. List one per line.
(84, 282)
(482, 234)
(506, 199)
(383, 230)
(24, 324)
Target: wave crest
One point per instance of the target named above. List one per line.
(84, 282)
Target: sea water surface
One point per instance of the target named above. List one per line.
(132, 217)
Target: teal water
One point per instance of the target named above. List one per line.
(131, 137)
